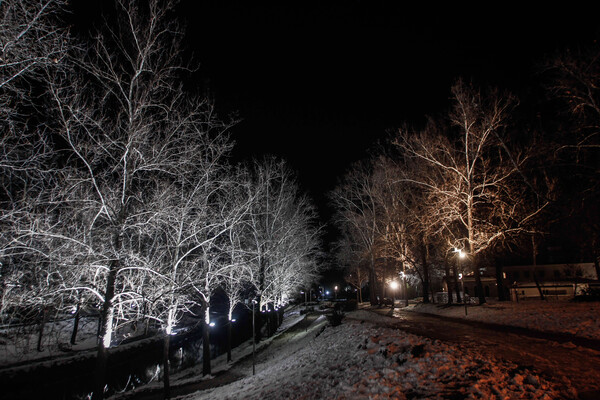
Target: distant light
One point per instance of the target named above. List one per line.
(336, 288)
(394, 285)
(233, 320)
(327, 292)
(459, 276)
(211, 324)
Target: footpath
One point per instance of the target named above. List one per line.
(559, 337)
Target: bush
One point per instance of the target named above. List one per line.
(335, 318)
(351, 305)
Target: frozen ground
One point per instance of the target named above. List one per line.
(577, 318)
(361, 360)
(19, 344)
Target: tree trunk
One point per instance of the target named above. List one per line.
(205, 342)
(105, 332)
(166, 367)
(500, 282)
(474, 262)
(425, 273)
(477, 274)
(456, 284)
(43, 318)
(534, 259)
(75, 323)
(372, 281)
(229, 341)
(448, 283)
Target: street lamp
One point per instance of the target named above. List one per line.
(335, 289)
(460, 276)
(393, 286)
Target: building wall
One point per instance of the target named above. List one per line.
(549, 272)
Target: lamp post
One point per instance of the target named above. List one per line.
(393, 286)
(335, 289)
(253, 340)
(460, 276)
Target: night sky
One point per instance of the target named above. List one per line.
(318, 83)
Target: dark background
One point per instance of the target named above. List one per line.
(318, 83)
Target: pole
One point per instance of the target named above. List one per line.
(461, 277)
(253, 341)
(462, 281)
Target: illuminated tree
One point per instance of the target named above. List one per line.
(282, 239)
(477, 200)
(31, 46)
(357, 215)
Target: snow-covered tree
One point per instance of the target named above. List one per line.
(357, 214)
(283, 240)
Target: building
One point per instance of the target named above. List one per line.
(553, 280)
(526, 281)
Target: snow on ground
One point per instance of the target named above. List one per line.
(19, 343)
(220, 363)
(577, 318)
(360, 360)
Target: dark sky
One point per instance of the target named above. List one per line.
(317, 83)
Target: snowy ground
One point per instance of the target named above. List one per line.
(577, 318)
(361, 360)
(19, 344)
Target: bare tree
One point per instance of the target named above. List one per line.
(127, 128)
(573, 78)
(358, 216)
(31, 44)
(283, 240)
(477, 200)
